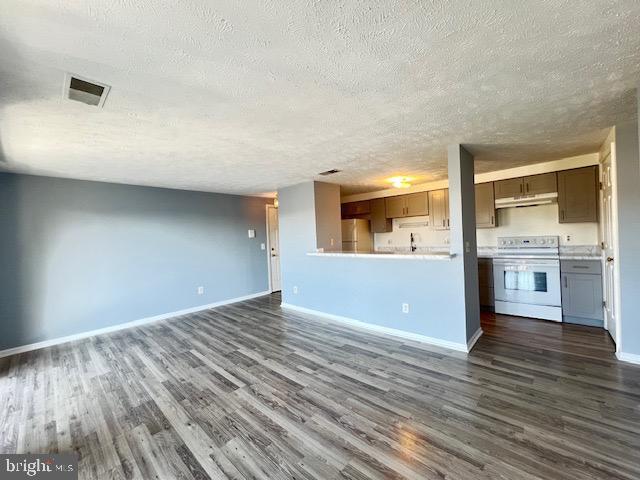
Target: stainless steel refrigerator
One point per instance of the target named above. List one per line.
(356, 236)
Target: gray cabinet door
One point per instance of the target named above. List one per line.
(578, 195)
(485, 206)
(485, 282)
(416, 204)
(395, 206)
(543, 183)
(513, 187)
(379, 221)
(582, 295)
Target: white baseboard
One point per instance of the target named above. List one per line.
(472, 341)
(123, 326)
(628, 357)
(461, 347)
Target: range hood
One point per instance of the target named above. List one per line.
(527, 200)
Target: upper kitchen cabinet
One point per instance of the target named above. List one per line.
(543, 183)
(411, 205)
(417, 204)
(578, 195)
(439, 205)
(352, 209)
(513, 187)
(379, 221)
(395, 206)
(485, 206)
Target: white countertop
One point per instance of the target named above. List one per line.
(385, 255)
(551, 257)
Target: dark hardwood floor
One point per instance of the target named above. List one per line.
(250, 391)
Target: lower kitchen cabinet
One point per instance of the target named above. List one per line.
(485, 283)
(581, 282)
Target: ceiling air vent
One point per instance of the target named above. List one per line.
(85, 91)
(329, 172)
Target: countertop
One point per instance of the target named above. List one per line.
(584, 252)
(387, 255)
(574, 252)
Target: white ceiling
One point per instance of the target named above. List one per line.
(245, 96)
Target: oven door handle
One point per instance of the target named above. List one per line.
(529, 267)
(528, 264)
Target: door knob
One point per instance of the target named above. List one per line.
(609, 259)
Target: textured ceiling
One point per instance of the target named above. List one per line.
(246, 97)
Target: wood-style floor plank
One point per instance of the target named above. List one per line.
(251, 391)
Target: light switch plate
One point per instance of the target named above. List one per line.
(263, 246)
(251, 233)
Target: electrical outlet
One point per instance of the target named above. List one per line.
(295, 290)
(263, 246)
(251, 233)
(405, 308)
(332, 242)
(568, 238)
(200, 290)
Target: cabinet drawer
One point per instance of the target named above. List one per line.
(581, 266)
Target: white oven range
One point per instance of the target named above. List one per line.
(526, 276)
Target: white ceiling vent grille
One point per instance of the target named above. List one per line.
(85, 91)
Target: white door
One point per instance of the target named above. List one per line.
(274, 248)
(608, 242)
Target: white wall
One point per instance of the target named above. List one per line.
(400, 237)
(538, 220)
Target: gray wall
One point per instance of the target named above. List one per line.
(78, 256)
(462, 212)
(628, 176)
(368, 290)
(328, 216)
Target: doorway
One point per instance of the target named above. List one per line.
(273, 247)
(608, 206)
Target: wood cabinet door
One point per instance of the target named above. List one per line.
(513, 187)
(363, 207)
(347, 209)
(416, 204)
(395, 206)
(446, 207)
(439, 209)
(543, 183)
(578, 195)
(379, 221)
(485, 206)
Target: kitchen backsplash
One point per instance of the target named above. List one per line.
(537, 220)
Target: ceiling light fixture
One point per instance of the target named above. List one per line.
(400, 182)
